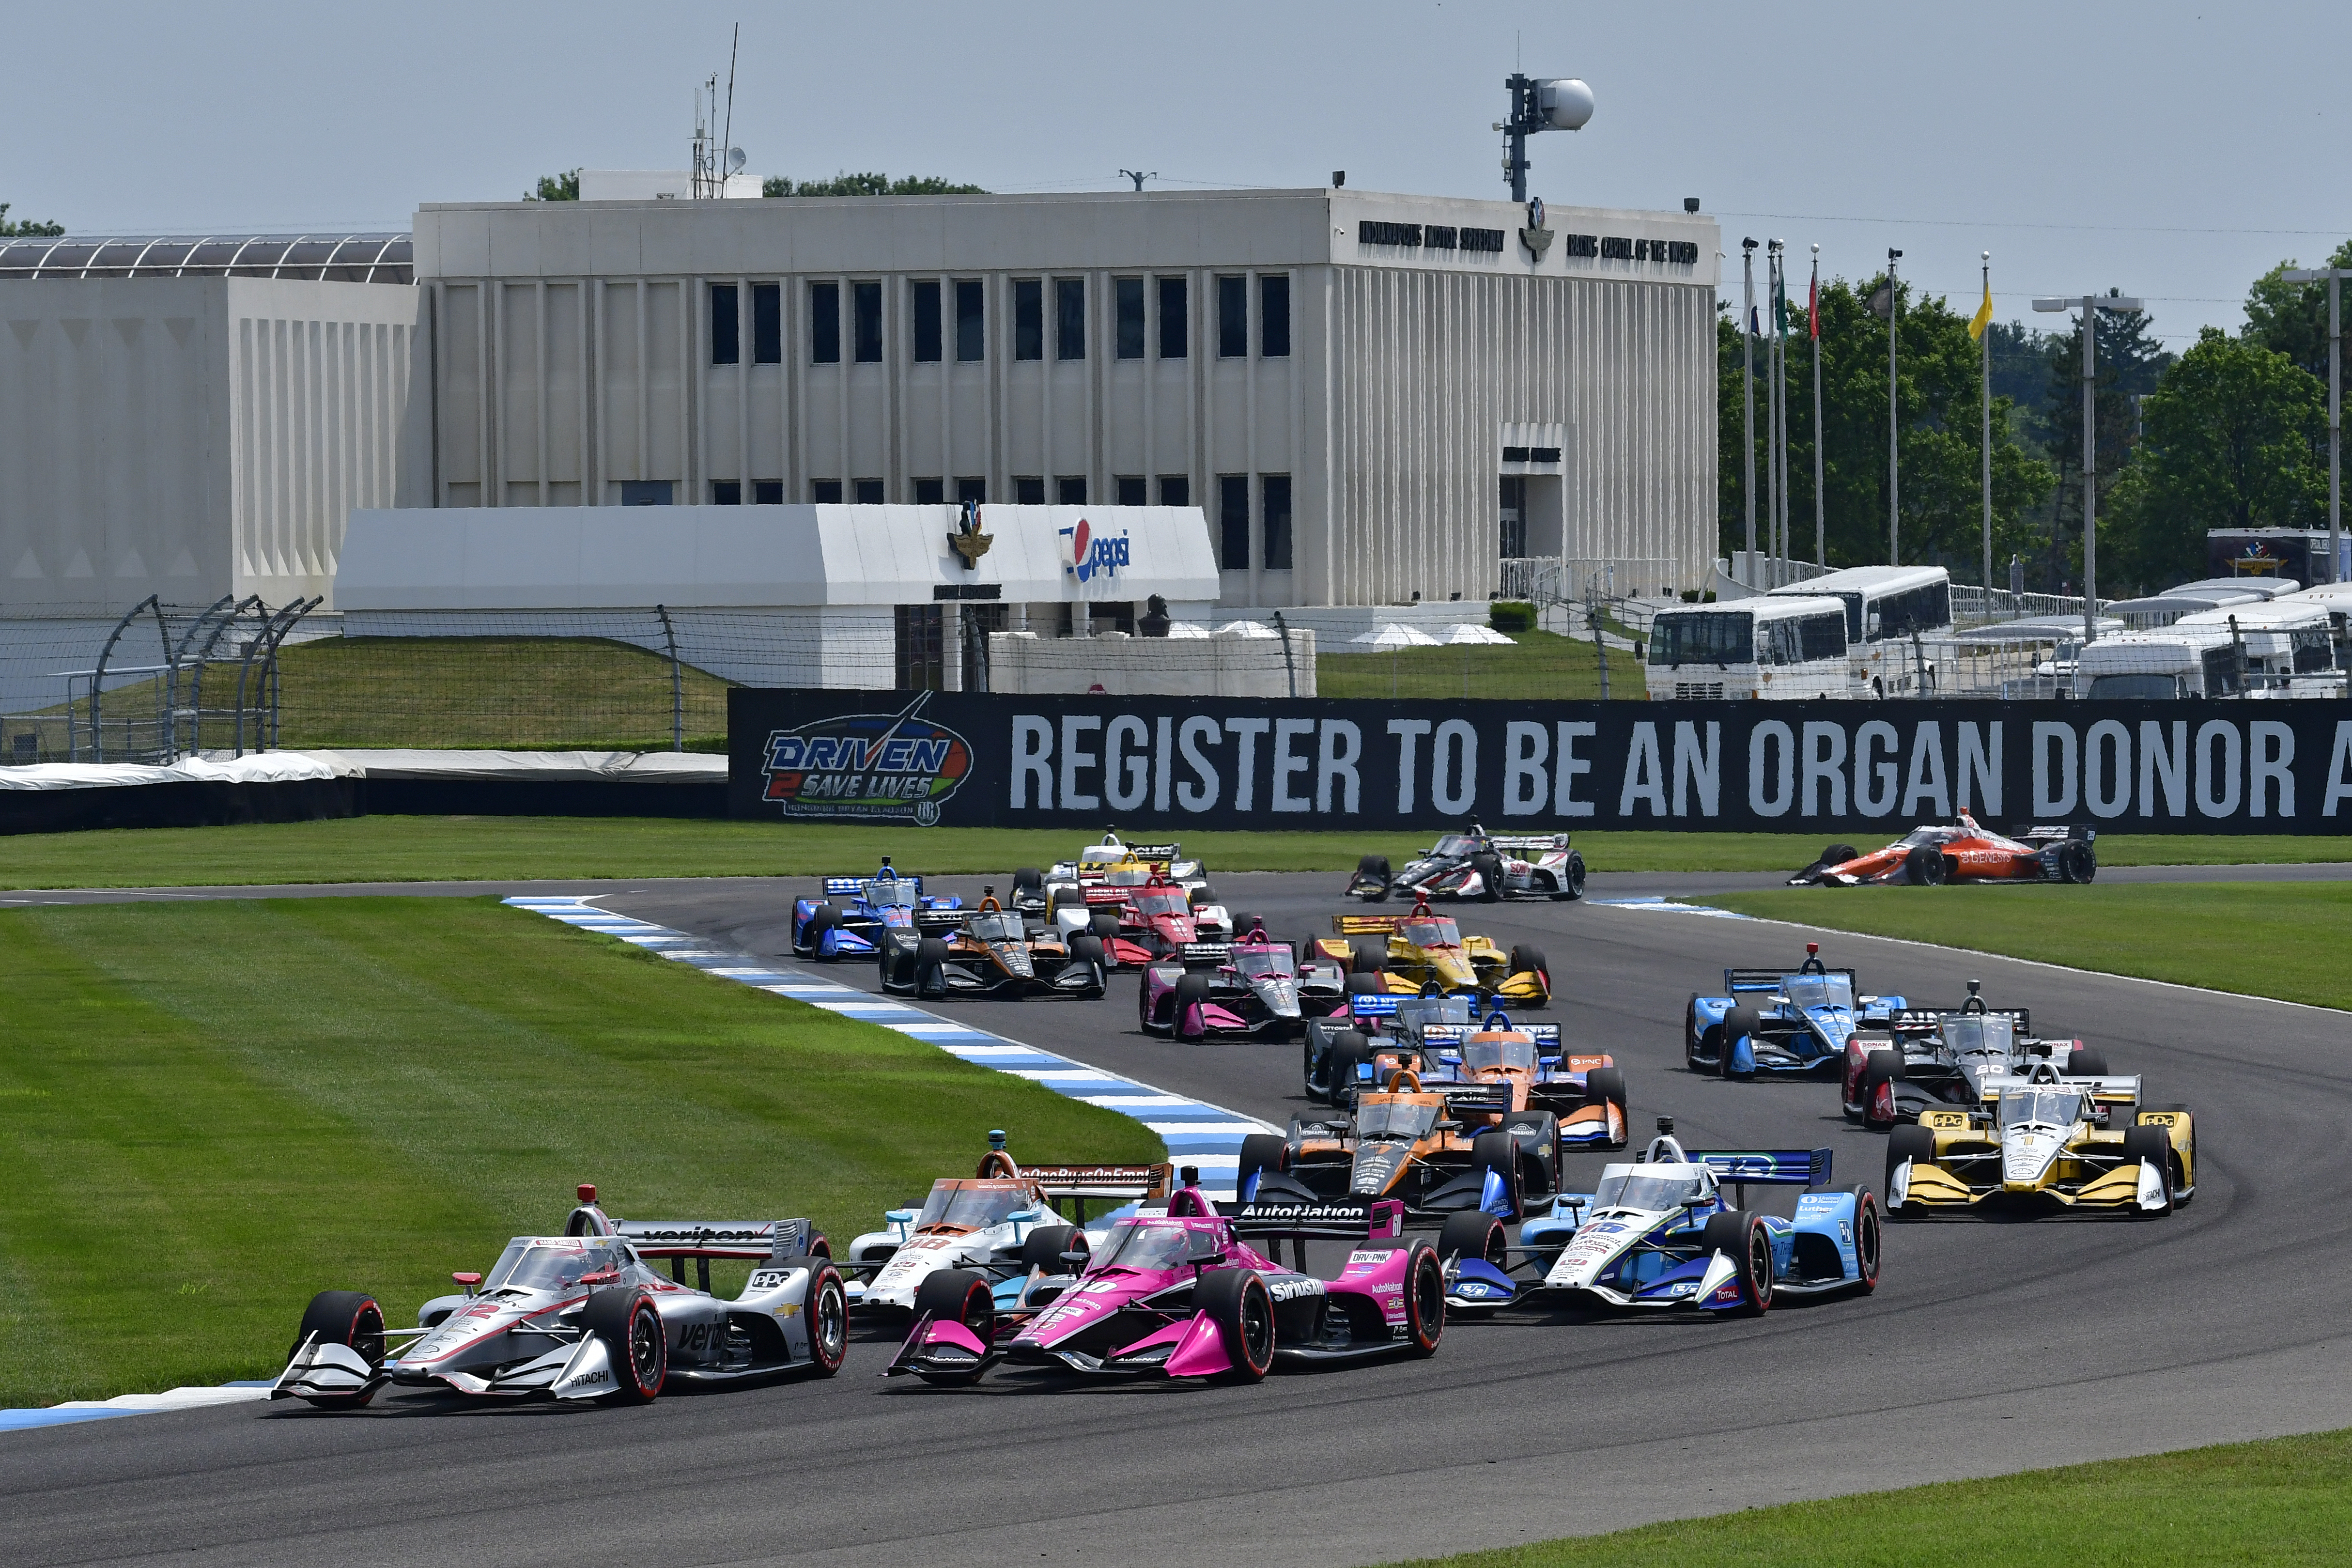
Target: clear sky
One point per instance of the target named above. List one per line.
(2173, 151)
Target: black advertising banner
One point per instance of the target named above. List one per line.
(1164, 764)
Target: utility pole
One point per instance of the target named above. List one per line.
(1747, 396)
(1813, 327)
(2090, 305)
(1894, 417)
(2335, 276)
(1985, 351)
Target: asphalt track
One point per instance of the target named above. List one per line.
(1990, 1345)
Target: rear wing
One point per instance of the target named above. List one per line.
(940, 919)
(1928, 1018)
(1123, 1184)
(1451, 1036)
(1766, 1167)
(1538, 841)
(1373, 1005)
(1367, 925)
(2052, 832)
(751, 1238)
(1156, 852)
(1737, 980)
(1340, 1219)
(1206, 952)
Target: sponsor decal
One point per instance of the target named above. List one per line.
(1293, 1289)
(1089, 554)
(873, 767)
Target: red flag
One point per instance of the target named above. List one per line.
(1813, 310)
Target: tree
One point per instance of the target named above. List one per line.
(869, 185)
(26, 225)
(2130, 362)
(563, 187)
(2291, 319)
(2228, 439)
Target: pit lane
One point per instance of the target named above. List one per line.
(1989, 1346)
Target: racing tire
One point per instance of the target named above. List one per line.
(1424, 1302)
(1571, 879)
(2086, 1061)
(348, 1318)
(635, 1340)
(1839, 853)
(2078, 861)
(821, 919)
(1499, 1153)
(1924, 866)
(1241, 926)
(1028, 880)
(828, 1318)
(1375, 867)
(1693, 1034)
(1606, 1086)
(1088, 949)
(1203, 896)
(1062, 897)
(1238, 1303)
(1260, 1152)
(1738, 1023)
(960, 1296)
(1350, 1052)
(1913, 1142)
(931, 967)
(1869, 1234)
(1743, 1239)
(1191, 990)
(1473, 1234)
(1043, 1248)
(1880, 1067)
(2151, 1144)
(1490, 876)
(1102, 924)
(1367, 961)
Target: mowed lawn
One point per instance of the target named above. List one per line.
(515, 848)
(2287, 939)
(213, 1110)
(2286, 1502)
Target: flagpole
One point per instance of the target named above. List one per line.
(1780, 396)
(1813, 329)
(1985, 354)
(1893, 415)
(1772, 416)
(1747, 395)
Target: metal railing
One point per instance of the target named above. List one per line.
(1542, 580)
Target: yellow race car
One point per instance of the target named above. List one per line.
(2043, 1140)
(1426, 954)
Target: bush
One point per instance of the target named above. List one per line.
(1506, 616)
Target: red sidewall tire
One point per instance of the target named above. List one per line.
(1424, 1301)
(827, 1310)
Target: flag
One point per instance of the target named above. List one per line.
(1882, 302)
(1813, 310)
(1983, 317)
(1755, 324)
(1780, 307)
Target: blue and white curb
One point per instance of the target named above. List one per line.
(1654, 905)
(1196, 1132)
(74, 1410)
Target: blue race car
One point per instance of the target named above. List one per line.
(1781, 1023)
(847, 921)
(1659, 1234)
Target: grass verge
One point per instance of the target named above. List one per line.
(1537, 666)
(2287, 1501)
(517, 848)
(2285, 939)
(215, 1109)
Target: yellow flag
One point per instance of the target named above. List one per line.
(1983, 317)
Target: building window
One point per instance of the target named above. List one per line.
(1233, 521)
(825, 492)
(971, 487)
(766, 323)
(926, 292)
(920, 665)
(867, 298)
(1274, 315)
(1130, 489)
(1175, 490)
(1028, 490)
(931, 492)
(1515, 516)
(869, 492)
(971, 341)
(1175, 327)
(1070, 489)
(767, 493)
(724, 347)
(1028, 319)
(726, 492)
(1129, 294)
(1069, 317)
(1274, 512)
(1233, 317)
(644, 492)
(824, 323)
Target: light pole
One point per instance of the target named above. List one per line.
(1747, 396)
(1813, 330)
(1776, 546)
(1563, 103)
(1894, 421)
(2090, 305)
(1986, 351)
(2335, 276)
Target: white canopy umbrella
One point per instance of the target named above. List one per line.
(1188, 629)
(1465, 632)
(1394, 635)
(1247, 629)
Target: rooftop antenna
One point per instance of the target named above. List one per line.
(715, 156)
(1138, 176)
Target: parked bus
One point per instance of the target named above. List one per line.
(2176, 662)
(2289, 644)
(1772, 646)
(1884, 606)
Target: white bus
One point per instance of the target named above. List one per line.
(2289, 644)
(1772, 646)
(2176, 662)
(1885, 605)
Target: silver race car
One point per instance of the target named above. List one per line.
(584, 1315)
(1476, 865)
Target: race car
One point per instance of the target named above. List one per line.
(1476, 865)
(1779, 1023)
(2043, 1140)
(1425, 954)
(1934, 1057)
(1001, 1225)
(1660, 1233)
(1033, 891)
(1254, 986)
(1931, 855)
(1436, 1038)
(1182, 1292)
(1140, 916)
(992, 953)
(847, 921)
(584, 1316)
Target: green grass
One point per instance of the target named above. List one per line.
(2284, 1501)
(2285, 939)
(1538, 665)
(213, 1110)
(514, 848)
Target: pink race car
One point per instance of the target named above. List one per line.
(1254, 986)
(1181, 1294)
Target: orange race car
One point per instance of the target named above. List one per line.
(1932, 856)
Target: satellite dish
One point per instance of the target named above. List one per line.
(735, 157)
(1566, 102)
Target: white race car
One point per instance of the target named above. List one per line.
(1042, 894)
(1476, 865)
